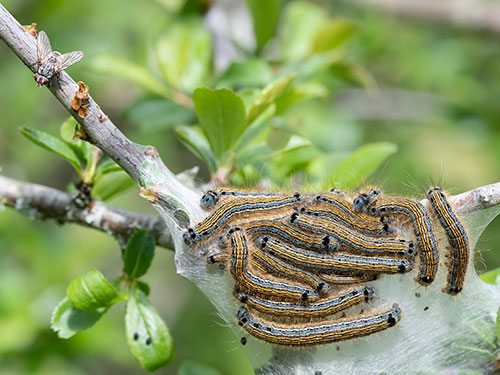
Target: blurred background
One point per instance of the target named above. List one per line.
(422, 83)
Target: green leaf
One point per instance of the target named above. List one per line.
(111, 184)
(67, 129)
(194, 368)
(184, 54)
(295, 156)
(196, 141)
(88, 174)
(81, 148)
(290, 148)
(359, 165)
(67, 320)
(159, 114)
(130, 71)
(491, 277)
(248, 73)
(253, 154)
(91, 291)
(332, 33)
(106, 165)
(221, 114)
(52, 144)
(143, 287)
(139, 253)
(299, 92)
(313, 68)
(470, 372)
(265, 16)
(249, 96)
(147, 335)
(257, 130)
(294, 143)
(268, 96)
(353, 73)
(484, 330)
(479, 351)
(302, 20)
(324, 165)
(172, 6)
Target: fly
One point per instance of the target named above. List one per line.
(51, 62)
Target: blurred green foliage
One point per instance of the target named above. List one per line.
(321, 94)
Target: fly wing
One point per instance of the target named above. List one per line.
(69, 59)
(43, 46)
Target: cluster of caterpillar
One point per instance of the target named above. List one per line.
(299, 259)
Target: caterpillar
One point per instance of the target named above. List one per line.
(212, 197)
(457, 237)
(227, 210)
(355, 240)
(330, 305)
(320, 332)
(332, 262)
(291, 235)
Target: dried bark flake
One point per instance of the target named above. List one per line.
(80, 101)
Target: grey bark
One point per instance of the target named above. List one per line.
(42, 202)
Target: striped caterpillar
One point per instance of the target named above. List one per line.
(457, 236)
(320, 332)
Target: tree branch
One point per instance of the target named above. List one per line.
(143, 164)
(483, 15)
(101, 131)
(478, 199)
(42, 202)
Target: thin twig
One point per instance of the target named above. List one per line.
(42, 202)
